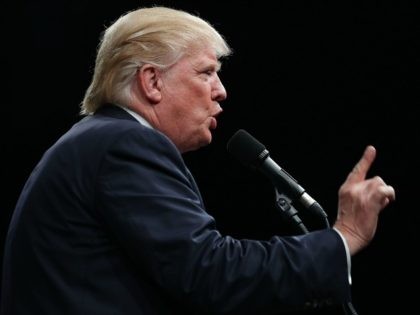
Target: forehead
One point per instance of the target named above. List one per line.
(204, 57)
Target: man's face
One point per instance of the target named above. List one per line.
(191, 94)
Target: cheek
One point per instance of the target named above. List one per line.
(191, 118)
(190, 102)
(200, 88)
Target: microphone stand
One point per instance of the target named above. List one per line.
(284, 204)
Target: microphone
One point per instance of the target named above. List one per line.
(253, 153)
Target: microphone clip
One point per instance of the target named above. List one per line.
(284, 204)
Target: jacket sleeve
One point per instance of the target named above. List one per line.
(155, 212)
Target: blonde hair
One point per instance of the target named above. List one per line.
(156, 35)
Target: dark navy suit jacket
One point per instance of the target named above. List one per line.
(111, 222)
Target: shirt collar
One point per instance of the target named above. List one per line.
(139, 118)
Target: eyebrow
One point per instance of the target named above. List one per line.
(216, 66)
(212, 66)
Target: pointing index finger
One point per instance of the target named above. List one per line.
(362, 167)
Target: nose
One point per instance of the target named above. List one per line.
(219, 92)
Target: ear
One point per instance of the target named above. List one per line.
(149, 82)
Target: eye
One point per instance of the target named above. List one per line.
(208, 72)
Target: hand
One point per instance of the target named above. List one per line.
(360, 201)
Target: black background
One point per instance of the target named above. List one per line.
(314, 81)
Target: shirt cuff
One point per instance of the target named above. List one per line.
(346, 246)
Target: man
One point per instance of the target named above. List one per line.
(111, 220)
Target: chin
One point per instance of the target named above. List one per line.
(204, 141)
(208, 138)
(199, 143)
(198, 140)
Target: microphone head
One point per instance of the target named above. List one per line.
(246, 148)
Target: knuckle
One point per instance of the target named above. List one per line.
(377, 179)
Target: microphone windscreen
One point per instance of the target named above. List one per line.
(245, 148)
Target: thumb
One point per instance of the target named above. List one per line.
(360, 170)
